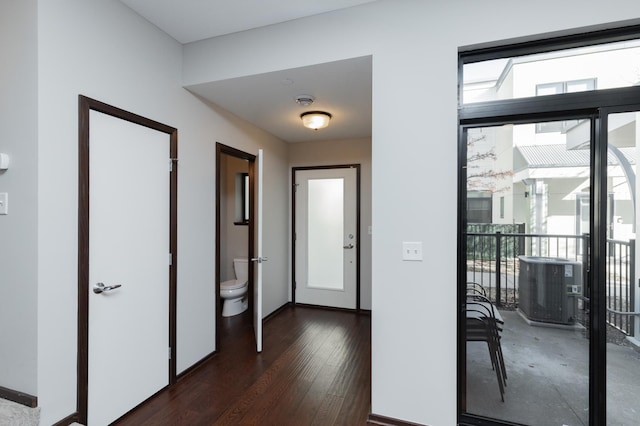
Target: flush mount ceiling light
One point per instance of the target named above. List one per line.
(315, 119)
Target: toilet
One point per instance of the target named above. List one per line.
(234, 292)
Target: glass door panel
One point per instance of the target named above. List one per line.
(623, 359)
(325, 255)
(527, 350)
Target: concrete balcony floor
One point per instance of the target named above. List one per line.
(547, 383)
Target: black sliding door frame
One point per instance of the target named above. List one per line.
(592, 105)
(594, 293)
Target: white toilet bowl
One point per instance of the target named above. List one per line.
(234, 292)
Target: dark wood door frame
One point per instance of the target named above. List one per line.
(221, 150)
(293, 225)
(85, 106)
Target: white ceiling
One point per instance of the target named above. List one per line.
(192, 20)
(342, 88)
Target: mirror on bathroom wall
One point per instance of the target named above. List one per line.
(242, 199)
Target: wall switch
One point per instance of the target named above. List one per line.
(4, 161)
(4, 203)
(412, 250)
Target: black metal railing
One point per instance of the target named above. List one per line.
(493, 262)
(620, 284)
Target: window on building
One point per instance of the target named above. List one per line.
(566, 87)
(479, 207)
(557, 89)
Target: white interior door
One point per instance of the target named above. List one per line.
(326, 237)
(258, 259)
(128, 246)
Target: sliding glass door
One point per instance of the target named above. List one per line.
(526, 299)
(548, 290)
(621, 279)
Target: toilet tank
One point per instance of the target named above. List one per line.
(241, 268)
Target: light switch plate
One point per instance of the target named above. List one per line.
(412, 250)
(4, 203)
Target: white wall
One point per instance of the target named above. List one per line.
(18, 229)
(414, 45)
(336, 152)
(103, 50)
(234, 239)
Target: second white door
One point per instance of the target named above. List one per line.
(128, 353)
(326, 236)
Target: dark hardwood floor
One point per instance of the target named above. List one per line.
(314, 369)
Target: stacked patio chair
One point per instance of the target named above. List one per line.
(484, 324)
(475, 288)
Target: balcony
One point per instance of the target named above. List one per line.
(547, 360)
(548, 377)
(493, 260)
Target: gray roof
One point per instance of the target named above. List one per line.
(539, 156)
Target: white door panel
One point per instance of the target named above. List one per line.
(326, 237)
(258, 256)
(128, 246)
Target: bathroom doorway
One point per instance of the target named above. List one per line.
(235, 224)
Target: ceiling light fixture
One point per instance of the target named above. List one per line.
(315, 119)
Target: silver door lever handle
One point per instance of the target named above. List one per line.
(101, 288)
(259, 259)
(350, 246)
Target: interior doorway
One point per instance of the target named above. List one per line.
(112, 289)
(235, 228)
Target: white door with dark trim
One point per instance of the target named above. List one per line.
(128, 359)
(326, 237)
(258, 255)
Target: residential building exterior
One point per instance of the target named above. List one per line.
(548, 162)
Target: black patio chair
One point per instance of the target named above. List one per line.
(475, 288)
(497, 320)
(483, 326)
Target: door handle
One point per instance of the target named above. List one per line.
(101, 288)
(259, 259)
(350, 246)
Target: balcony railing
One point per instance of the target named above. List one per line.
(620, 284)
(492, 260)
